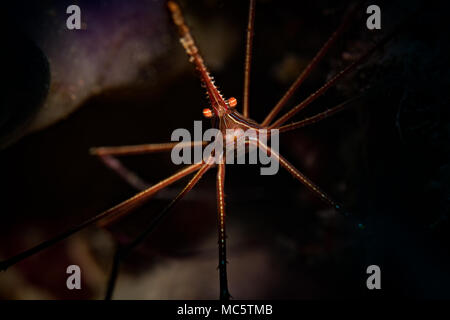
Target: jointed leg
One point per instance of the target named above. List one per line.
(108, 215)
(318, 117)
(302, 77)
(301, 177)
(143, 148)
(124, 208)
(309, 184)
(248, 57)
(224, 293)
(122, 252)
(328, 85)
(106, 155)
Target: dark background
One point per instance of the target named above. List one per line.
(386, 159)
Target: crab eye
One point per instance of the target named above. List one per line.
(207, 113)
(232, 102)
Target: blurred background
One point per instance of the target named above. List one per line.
(124, 79)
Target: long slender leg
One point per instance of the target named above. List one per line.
(224, 293)
(110, 215)
(300, 176)
(141, 149)
(124, 251)
(328, 85)
(308, 183)
(124, 208)
(311, 186)
(137, 182)
(307, 71)
(318, 117)
(106, 155)
(248, 57)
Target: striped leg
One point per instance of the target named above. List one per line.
(124, 208)
(248, 57)
(109, 216)
(310, 185)
(142, 148)
(329, 84)
(123, 252)
(107, 156)
(318, 117)
(302, 77)
(222, 238)
(301, 177)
